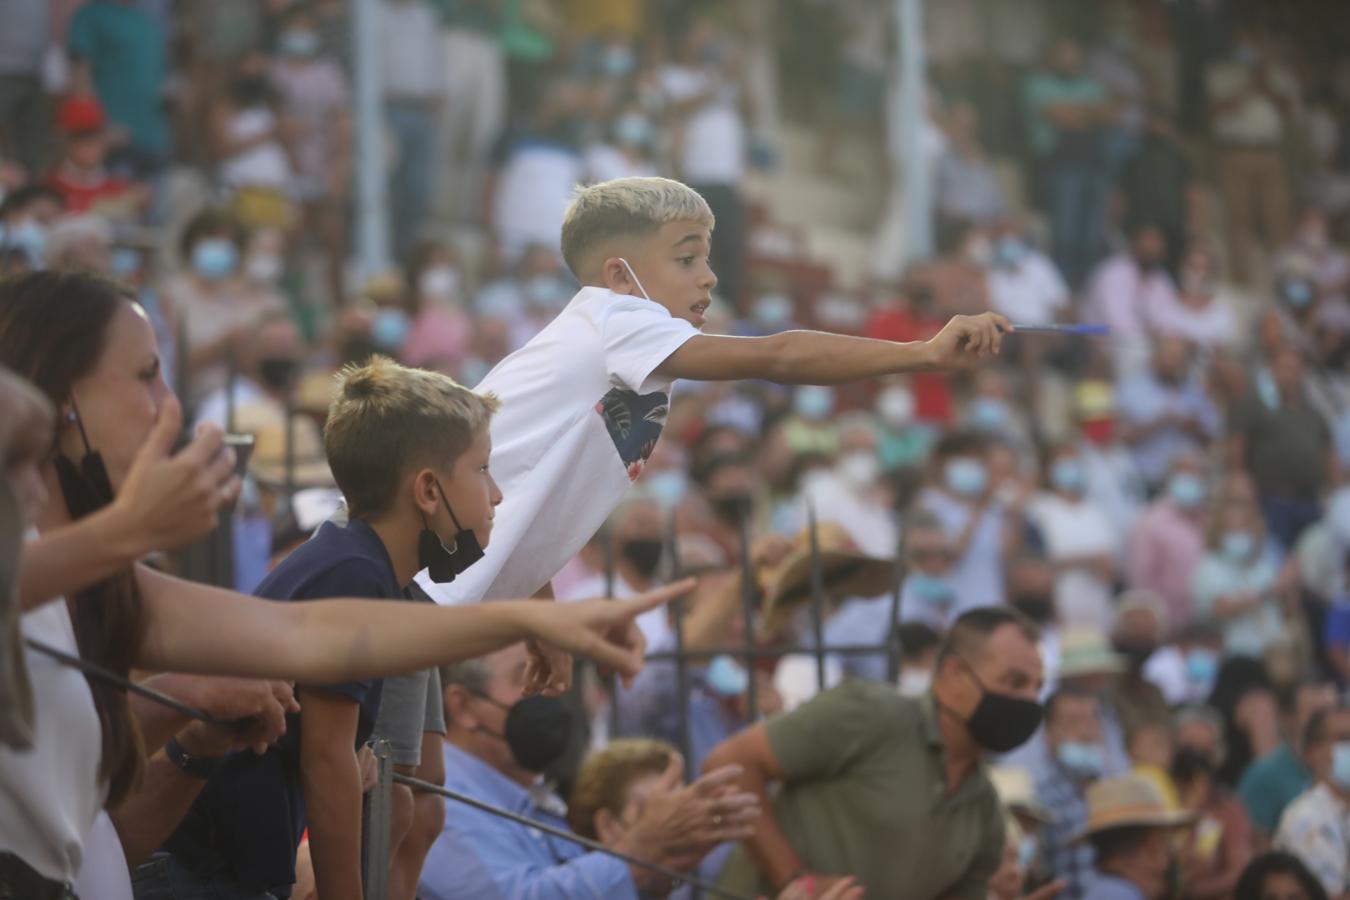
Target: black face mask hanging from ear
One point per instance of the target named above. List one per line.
(444, 563)
(86, 488)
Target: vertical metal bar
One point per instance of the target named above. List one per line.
(288, 466)
(375, 814)
(893, 648)
(231, 383)
(817, 594)
(912, 114)
(372, 222)
(748, 596)
(607, 556)
(677, 608)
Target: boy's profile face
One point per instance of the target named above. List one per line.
(471, 491)
(673, 268)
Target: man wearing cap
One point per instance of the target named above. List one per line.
(1132, 833)
(893, 790)
(1075, 757)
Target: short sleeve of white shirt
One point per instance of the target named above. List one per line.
(637, 336)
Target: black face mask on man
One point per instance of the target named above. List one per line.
(733, 508)
(643, 554)
(86, 488)
(1001, 722)
(444, 563)
(538, 730)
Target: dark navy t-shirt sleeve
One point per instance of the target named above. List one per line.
(355, 577)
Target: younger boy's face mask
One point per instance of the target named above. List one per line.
(444, 563)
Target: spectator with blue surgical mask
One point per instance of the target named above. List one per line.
(960, 495)
(26, 215)
(210, 304)
(928, 595)
(1316, 826)
(1075, 757)
(1168, 540)
(628, 148)
(1080, 540)
(1238, 582)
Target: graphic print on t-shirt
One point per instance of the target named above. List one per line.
(634, 422)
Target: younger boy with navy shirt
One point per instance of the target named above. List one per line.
(409, 449)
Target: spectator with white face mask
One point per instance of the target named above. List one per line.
(1080, 541)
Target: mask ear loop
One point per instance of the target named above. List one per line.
(79, 423)
(458, 528)
(633, 275)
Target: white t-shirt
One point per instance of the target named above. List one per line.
(1030, 293)
(1074, 529)
(50, 795)
(581, 412)
(712, 141)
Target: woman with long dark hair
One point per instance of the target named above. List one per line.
(1278, 876)
(86, 345)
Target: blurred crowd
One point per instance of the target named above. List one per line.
(1167, 504)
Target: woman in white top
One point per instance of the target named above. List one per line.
(1080, 542)
(1200, 311)
(116, 494)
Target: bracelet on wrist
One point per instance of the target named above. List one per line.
(196, 766)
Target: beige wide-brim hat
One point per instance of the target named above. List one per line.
(308, 464)
(1127, 800)
(1085, 651)
(844, 574)
(1018, 792)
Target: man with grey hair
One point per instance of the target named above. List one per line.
(497, 743)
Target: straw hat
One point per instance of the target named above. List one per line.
(1018, 792)
(1084, 651)
(268, 463)
(844, 573)
(1129, 799)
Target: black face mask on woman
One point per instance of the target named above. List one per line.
(1001, 722)
(444, 563)
(86, 488)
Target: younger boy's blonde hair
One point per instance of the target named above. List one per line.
(625, 207)
(387, 419)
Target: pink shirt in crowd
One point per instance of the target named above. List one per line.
(1121, 295)
(1164, 551)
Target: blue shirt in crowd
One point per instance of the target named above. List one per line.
(1069, 858)
(124, 47)
(247, 822)
(1109, 887)
(1272, 783)
(480, 856)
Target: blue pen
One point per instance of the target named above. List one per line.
(1084, 330)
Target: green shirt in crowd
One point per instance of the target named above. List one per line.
(864, 793)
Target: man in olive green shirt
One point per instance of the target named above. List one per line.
(889, 789)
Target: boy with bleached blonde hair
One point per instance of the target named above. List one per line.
(583, 403)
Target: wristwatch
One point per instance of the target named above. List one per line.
(196, 766)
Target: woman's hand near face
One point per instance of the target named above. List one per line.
(171, 500)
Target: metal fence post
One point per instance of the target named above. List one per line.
(677, 609)
(749, 592)
(817, 595)
(375, 813)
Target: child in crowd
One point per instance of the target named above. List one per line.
(81, 178)
(409, 449)
(585, 401)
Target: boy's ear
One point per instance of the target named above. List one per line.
(426, 494)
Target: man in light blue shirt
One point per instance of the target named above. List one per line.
(480, 856)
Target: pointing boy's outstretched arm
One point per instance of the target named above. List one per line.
(818, 357)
